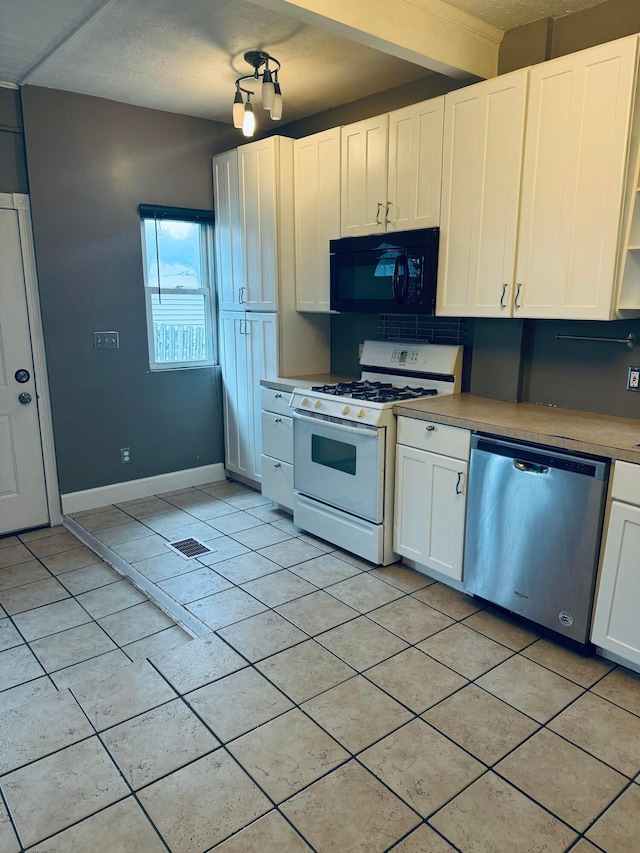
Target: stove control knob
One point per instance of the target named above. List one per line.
(361, 413)
(317, 404)
(305, 401)
(346, 410)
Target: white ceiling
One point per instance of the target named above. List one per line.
(184, 55)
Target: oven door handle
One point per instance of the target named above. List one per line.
(362, 429)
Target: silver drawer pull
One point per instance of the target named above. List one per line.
(276, 465)
(278, 395)
(459, 483)
(278, 420)
(430, 428)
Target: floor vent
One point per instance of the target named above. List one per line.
(190, 548)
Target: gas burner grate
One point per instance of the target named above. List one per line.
(190, 548)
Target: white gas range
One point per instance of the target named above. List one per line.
(344, 439)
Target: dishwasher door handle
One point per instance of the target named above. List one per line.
(530, 467)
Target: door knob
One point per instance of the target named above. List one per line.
(22, 375)
(24, 398)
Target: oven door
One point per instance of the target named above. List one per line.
(340, 464)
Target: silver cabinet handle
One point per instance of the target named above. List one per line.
(278, 395)
(517, 299)
(459, 483)
(277, 465)
(387, 221)
(241, 298)
(380, 206)
(278, 420)
(504, 293)
(430, 428)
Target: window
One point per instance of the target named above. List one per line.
(178, 286)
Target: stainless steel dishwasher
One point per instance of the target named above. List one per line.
(534, 521)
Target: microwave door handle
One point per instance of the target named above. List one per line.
(400, 274)
(395, 280)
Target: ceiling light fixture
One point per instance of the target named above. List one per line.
(243, 115)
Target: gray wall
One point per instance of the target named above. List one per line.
(91, 162)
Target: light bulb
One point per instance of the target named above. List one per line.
(249, 120)
(268, 90)
(238, 109)
(276, 109)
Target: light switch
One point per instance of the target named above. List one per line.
(106, 340)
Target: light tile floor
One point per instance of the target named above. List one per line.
(333, 706)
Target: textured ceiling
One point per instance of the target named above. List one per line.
(507, 14)
(184, 55)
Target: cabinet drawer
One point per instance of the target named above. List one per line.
(436, 438)
(277, 436)
(277, 481)
(276, 401)
(626, 483)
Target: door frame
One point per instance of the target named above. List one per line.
(20, 203)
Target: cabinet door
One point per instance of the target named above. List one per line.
(317, 215)
(236, 399)
(482, 163)
(576, 151)
(429, 510)
(261, 336)
(364, 177)
(258, 189)
(415, 166)
(616, 626)
(227, 231)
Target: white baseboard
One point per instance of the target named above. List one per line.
(132, 489)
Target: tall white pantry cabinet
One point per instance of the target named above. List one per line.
(261, 333)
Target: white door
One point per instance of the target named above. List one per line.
(233, 362)
(616, 626)
(23, 497)
(576, 150)
(429, 511)
(364, 177)
(228, 232)
(261, 337)
(317, 215)
(258, 187)
(483, 148)
(415, 166)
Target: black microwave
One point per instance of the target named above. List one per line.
(385, 273)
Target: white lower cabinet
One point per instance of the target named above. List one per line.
(249, 353)
(430, 495)
(616, 621)
(277, 447)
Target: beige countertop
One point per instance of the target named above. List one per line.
(585, 432)
(288, 383)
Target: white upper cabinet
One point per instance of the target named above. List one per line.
(317, 215)
(574, 182)
(482, 162)
(229, 262)
(258, 189)
(415, 166)
(364, 176)
(253, 198)
(391, 171)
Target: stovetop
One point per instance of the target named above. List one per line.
(374, 392)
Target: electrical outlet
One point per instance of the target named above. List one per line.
(125, 455)
(106, 340)
(633, 379)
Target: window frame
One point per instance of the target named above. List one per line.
(151, 214)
